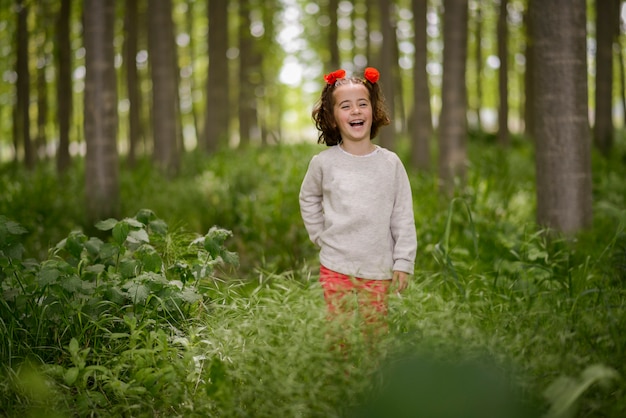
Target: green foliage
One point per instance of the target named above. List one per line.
(100, 314)
(135, 321)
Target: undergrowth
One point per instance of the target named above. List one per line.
(153, 319)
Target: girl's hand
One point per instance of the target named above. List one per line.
(400, 280)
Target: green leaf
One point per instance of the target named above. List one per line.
(189, 295)
(72, 284)
(145, 216)
(73, 346)
(93, 246)
(129, 268)
(137, 292)
(107, 224)
(115, 295)
(158, 226)
(134, 223)
(96, 268)
(120, 232)
(564, 392)
(14, 228)
(48, 275)
(138, 236)
(151, 260)
(74, 243)
(70, 376)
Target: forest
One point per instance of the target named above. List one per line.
(153, 258)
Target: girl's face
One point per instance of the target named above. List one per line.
(353, 112)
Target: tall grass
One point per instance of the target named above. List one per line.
(496, 302)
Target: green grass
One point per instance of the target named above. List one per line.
(103, 326)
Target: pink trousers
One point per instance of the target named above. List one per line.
(347, 295)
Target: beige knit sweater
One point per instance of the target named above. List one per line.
(359, 211)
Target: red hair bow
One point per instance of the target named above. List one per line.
(334, 76)
(371, 74)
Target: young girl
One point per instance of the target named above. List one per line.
(356, 200)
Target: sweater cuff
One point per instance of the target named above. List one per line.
(403, 265)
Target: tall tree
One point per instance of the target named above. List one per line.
(529, 71)
(22, 108)
(43, 58)
(421, 120)
(387, 67)
(607, 29)
(503, 75)
(189, 79)
(453, 120)
(163, 64)
(562, 134)
(64, 85)
(217, 106)
(131, 24)
(478, 62)
(101, 162)
(248, 77)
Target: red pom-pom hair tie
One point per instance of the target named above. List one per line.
(334, 76)
(371, 74)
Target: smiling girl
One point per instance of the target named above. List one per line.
(356, 200)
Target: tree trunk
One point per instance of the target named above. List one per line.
(131, 24)
(563, 140)
(421, 126)
(23, 87)
(387, 135)
(248, 68)
(478, 62)
(191, 76)
(622, 83)
(101, 162)
(162, 51)
(42, 86)
(64, 86)
(217, 106)
(453, 121)
(529, 71)
(503, 76)
(607, 26)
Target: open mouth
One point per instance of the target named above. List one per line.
(357, 123)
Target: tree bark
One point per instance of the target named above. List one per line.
(217, 105)
(478, 63)
(131, 40)
(23, 87)
(563, 137)
(503, 76)
(607, 26)
(101, 119)
(42, 85)
(64, 86)
(162, 51)
(529, 71)
(453, 121)
(248, 72)
(421, 126)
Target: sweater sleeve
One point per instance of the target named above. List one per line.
(311, 201)
(403, 224)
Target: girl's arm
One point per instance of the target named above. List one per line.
(311, 201)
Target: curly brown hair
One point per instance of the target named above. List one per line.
(323, 114)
